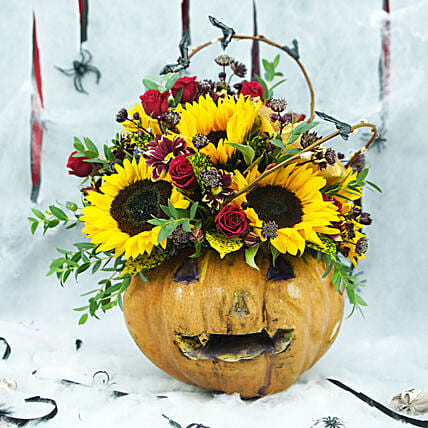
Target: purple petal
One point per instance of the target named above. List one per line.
(281, 271)
(187, 272)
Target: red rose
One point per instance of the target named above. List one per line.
(154, 103)
(190, 87)
(231, 221)
(253, 89)
(181, 172)
(78, 166)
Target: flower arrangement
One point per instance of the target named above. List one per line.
(206, 165)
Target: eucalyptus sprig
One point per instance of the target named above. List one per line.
(55, 216)
(176, 217)
(343, 279)
(86, 258)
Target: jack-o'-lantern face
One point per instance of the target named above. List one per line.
(226, 326)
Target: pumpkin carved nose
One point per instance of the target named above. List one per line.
(239, 307)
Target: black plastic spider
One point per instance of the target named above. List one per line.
(80, 68)
(329, 422)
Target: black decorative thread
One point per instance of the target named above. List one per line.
(387, 411)
(8, 349)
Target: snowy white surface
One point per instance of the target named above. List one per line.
(340, 43)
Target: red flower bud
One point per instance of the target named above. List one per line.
(231, 221)
(196, 235)
(181, 172)
(253, 89)
(154, 103)
(78, 166)
(190, 88)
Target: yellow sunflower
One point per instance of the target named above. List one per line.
(117, 217)
(146, 121)
(288, 206)
(228, 120)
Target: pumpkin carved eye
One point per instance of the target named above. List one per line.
(234, 347)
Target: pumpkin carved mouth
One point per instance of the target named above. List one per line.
(236, 347)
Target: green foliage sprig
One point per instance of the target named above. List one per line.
(343, 278)
(269, 76)
(54, 216)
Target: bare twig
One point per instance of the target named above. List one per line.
(269, 42)
(286, 162)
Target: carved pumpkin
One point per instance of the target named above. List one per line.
(230, 328)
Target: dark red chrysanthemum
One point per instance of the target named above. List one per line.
(161, 151)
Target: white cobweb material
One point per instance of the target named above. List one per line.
(339, 44)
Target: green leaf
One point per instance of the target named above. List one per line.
(83, 319)
(171, 81)
(327, 271)
(149, 84)
(275, 254)
(96, 266)
(172, 209)
(38, 214)
(108, 154)
(247, 151)
(142, 276)
(362, 174)
(186, 225)
(370, 183)
(52, 223)
(178, 96)
(83, 245)
(91, 146)
(278, 143)
(120, 302)
(34, 227)
(66, 275)
(71, 206)
(193, 209)
(78, 145)
(277, 84)
(299, 130)
(82, 308)
(166, 230)
(250, 254)
(264, 86)
(198, 249)
(270, 70)
(83, 267)
(57, 212)
(166, 210)
(360, 301)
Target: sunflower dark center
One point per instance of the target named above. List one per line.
(274, 203)
(136, 204)
(216, 136)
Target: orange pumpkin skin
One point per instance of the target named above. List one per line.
(160, 309)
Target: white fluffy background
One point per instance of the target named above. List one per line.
(340, 43)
